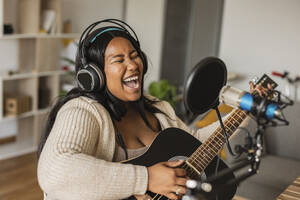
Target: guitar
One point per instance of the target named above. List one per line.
(200, 159)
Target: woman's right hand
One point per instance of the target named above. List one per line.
(167, 179)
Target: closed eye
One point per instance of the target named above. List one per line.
(118, 61)
(134, 54)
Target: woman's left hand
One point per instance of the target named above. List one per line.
(262, 91)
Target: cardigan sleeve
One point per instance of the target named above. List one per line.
(67, 168)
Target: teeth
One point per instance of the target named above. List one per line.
(131, 79)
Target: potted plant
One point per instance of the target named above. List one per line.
(163, 90)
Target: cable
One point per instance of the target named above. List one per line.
(248, 143)
(224, 132)
(216, 172)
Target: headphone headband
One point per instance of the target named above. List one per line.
(121, 27)
(106, 30)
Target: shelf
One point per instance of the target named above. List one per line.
(13, 150)
(50, 73)
(20, 147)
(43, 111)
(27, 114)
(39, 35)
(20, 116)
(32, 75)
(24, 143)
(35, 56)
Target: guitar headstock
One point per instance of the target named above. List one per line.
(264, 81)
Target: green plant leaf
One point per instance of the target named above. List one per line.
(163, 90)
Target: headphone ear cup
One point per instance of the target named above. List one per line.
(90, 78)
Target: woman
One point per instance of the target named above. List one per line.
(99, 124)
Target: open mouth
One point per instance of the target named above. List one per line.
(132, 82)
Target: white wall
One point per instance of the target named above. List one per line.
(83, 13)
(147, 19)
(259, 36)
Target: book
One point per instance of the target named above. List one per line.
(49, 21)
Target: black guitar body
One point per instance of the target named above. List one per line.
(173, 143)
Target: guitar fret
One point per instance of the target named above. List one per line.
(214, 143)
(242, 115)
(196, 158)
(230, 122)
(220, 145)
(220, 140)
(193, 167)
(203, 155)
(228, 127)
(203, 161)
(235, 121)
(190, 172)
(193, 174)
(228, 130)
(198, 165)
(207, 154)
(238, 116)
(200, 159)
(211, 147)
(208, 149)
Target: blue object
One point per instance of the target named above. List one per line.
(246, 102)
(271, 108)
(109, 29)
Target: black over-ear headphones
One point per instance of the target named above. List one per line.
(91, 77)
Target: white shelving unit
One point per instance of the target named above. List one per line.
(41, 35)
(38, 69)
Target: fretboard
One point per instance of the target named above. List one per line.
(200, 159)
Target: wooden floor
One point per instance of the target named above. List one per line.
(18, 180)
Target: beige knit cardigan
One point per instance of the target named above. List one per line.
(76, 162)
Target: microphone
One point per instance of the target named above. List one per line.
(254, 104)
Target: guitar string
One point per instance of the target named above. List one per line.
(195, 158)
(196, 154)
(202, 148)
(193, 171)
(207, 152)
(235, 114)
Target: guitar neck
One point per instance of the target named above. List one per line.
(200, 159)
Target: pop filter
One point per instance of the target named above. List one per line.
(203, 85)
